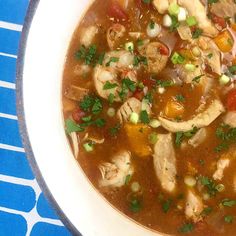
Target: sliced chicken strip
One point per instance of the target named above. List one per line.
(230, 119)
(130, 106)
(197, 9)
(194, 206)
(201, 120)
(88, 35)
(211, 54)
(224, 8)
(165, 162)
(76, 93)
(221, 165)
(114, 173)
(114, 33)
(198, 138)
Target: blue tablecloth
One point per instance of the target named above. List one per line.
(23, 208)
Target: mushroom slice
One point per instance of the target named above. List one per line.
(76, 93)
(197, 9)
(230, 119)
(221, 165)
(130, 106)
(156, 60)
(198, 138)
(114, 33)
(194, 206)
(165, 162)
(87, 35)
(185, 32)
(201, 120)
(114, 173)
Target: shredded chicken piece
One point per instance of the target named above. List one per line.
(221, 165)
(230, 119)
(224, 8)
(114, 33)
(88, 35)
(130, 106)
(197, 9)
(185, 32)
(201, 120)
(114, 173)
(194, 206)
(198, 138)
(165, 162)
(76, 93)
(211, 54)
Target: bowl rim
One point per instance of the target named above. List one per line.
(32, 8)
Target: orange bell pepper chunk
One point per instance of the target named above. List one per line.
(224, 41)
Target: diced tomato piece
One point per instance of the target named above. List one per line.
(164, 50)
(139, 94)
(231, 100)
(117, 12)
(150, 83)
(77, 115)
(219, 21)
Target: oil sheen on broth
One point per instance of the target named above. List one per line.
(149, 101)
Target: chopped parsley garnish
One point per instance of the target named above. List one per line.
(209, 184)
(228, 203)
(212, 1)
(127, 179)
(135, 205)
(126, 86)
(111, 98)
(181, 135)
(101, 58)
(108, 85)
(210, 55)
(91, 103)
(164, 83)
(227, 135)
(180, 98)
(186, 228)
(112, 59)
(152, 24)
(206, 211)
(140, 60)
(140, 42)
(232, 69)
(228, 219)
(197, 79)
(114, 130)
(146, 1)
(175, 23)
(144, 117)
(197, 33)
(166, 205)
(87, 55)
(97, 106)
(71, 127)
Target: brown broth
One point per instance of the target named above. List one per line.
(189, 160)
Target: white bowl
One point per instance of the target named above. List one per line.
(45, 40)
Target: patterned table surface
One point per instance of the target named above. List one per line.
(23, 208)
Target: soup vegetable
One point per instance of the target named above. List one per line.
(149, 101)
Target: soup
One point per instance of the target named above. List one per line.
(149, 101)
